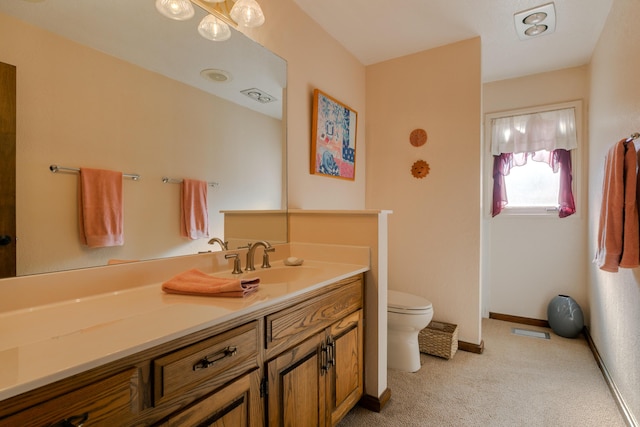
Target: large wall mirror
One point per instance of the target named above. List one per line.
(115, 85)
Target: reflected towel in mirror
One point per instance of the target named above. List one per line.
(194, 212)
(100, 214)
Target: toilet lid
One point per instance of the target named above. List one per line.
(404, 301)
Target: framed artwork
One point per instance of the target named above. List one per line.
(333, 137)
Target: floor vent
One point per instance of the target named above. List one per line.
(530, 333)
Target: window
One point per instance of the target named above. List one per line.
(532, 172)
(532, 185)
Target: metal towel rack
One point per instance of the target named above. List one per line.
(56, 169)
(633, 137)
(168, 180)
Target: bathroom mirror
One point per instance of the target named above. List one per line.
(115, 85)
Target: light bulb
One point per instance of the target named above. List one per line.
(536, 30)
(180, 10)
(247, 13)
(214, 29)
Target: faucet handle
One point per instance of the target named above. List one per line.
(236, 263)
(265, 257)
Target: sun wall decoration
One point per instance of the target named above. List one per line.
(420, 168)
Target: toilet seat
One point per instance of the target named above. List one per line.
(403, 303)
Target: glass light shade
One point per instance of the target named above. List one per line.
(214, 29)
(180, 10)
(247, 13)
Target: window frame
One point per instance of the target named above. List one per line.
(576, 164)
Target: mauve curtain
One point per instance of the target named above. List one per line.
(559, 160)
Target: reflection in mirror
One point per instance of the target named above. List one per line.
(115, 85)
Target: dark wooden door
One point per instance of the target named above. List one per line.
(7, 170)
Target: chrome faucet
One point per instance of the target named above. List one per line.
(236, 263)
(222, 244)
(265, 258)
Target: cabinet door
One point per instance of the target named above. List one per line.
(237, 405)
(345, 375)
(296, 391)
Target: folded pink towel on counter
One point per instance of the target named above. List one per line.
(194, 213)
(100, 214)
(195, 282)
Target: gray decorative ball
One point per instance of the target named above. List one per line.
(565, 316)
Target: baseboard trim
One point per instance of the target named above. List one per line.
(622, 406)
(470, 347)
(373, 403)
(519, 319)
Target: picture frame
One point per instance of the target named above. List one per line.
(333, 137)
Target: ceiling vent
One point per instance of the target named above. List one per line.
(258, 95)
(535, 22)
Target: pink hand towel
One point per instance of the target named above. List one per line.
(194, 214)
(100, 214)
(195, 282)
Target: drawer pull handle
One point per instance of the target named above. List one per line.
(331, 352)
(324, 356)
(73, 421)
(211, 360)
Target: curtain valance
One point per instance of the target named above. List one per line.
(527, 133)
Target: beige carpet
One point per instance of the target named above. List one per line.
(517, 381)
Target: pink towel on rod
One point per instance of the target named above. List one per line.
(100, 214)
(195, 282)
(194, 213)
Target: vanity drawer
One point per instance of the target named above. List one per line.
(203, 366)
(107, 402)
(290, 326)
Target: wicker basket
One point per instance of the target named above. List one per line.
(439, 339)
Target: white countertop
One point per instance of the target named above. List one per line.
(43, 344)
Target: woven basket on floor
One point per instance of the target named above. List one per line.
(439, 339)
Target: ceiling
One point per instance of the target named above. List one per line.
(379, 30)
(135, 32)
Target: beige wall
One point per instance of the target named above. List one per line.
(434, 232)
(314, 60)
(78, 107)
(614, 298)
(510, 284)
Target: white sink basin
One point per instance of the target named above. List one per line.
(282, 274)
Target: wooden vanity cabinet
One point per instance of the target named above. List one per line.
(317, 381)
(298, 362)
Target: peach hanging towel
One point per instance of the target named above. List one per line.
(100, 214)
(618, 232)
(194, 213)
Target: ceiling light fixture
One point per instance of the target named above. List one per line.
(214, 29)
(215, 75)
(180, 10)
(222, 14)
(536, 21)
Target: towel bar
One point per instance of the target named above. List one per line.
(56, 168)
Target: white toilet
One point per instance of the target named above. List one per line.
(407, 315)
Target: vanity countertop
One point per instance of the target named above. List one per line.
(43, 344)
